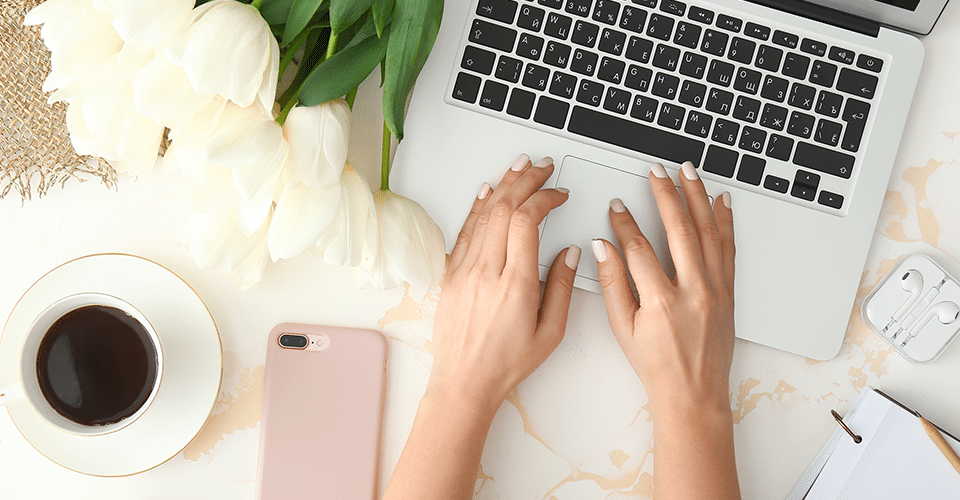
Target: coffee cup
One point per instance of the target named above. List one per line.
(89, 364)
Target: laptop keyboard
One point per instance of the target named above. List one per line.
(768, 108)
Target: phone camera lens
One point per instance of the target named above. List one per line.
(293, 341)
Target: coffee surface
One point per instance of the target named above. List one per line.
(96, 365)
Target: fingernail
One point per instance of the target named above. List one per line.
(484, 191)
(573, 257)
(617, 206)
(544, 162)
(599, 250)
(689, 171)
(658, 171)
(563, 190)
(725, 197)
(520, 163)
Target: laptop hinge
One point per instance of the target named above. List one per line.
(824, 15)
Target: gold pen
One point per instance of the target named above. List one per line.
(941, 443)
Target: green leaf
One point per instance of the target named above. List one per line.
(412, 33)
(275, 11)
(343, 13)
(382, 10)
(344, 71)
(301, 12)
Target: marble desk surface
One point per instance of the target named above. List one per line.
(578, 427)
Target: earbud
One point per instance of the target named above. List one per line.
(911, 282)
(946, 312)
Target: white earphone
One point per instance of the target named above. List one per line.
(917, 311)
(946, 312)
(911, 282)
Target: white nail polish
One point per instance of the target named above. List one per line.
(725, 197)
(658, 171)
(563, 190)
(572, 259)
(599, 250)
(689, 171)
(520, 163)
(617, 205)
(484, 191)
(544, 162)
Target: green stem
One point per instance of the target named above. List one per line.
(292, 50)
(331, 46)
(256, 4)
(282, 117)
(385, 159)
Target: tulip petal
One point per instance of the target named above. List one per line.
(86, 40)
(302, 214)
(410, 241)
(251, 214)
(147, 23)
(344, 241)
(213, 194)
(163, 92)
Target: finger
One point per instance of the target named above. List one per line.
(478, 234)
(556, 296)
(466, 232)
(681, 231)
(724, 216)
(708, 233)
(621, 306)
(523, 239)
(641, 260)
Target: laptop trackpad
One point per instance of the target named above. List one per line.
(585, 215)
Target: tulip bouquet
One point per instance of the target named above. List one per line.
(269, 177)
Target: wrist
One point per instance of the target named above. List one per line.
(473, 405)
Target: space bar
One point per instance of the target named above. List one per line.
(635, 136)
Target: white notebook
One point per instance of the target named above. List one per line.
(896, 459)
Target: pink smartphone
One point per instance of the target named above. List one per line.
(322, 411)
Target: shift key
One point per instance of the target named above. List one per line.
(824, 160)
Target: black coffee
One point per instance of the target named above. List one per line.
(96, 365)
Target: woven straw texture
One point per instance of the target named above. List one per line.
(35, 148)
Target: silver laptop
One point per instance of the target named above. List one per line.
(795, 107)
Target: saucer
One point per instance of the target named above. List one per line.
(189, 384)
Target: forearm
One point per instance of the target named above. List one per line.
(442, 456)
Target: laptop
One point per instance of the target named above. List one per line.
(795, 107)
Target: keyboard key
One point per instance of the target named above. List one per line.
(501, 10)
(590, 93)
(612, 42)
(660, 27)
(617, 101)
(638, 78)
(606, 11)
(531, 18)
(741, 50)
(492, 35)
(466, 87)
(747, 81)
(563, 85)
(521, 103)
(666, 57)
(634, 136)
(611, 70)
(725, 132)
(557, 54)
(639, 49)
(773, 117)
(673, 7)
(551, 112)
(585, 34)
(757, 31)
(687, 35)
(869, 63)
(823, 73)
(644, 108)
(646, 3)
(530, 46)
(714, 43)
(509, 69)
(558, 26)
(795, 66)
(801, 96)
(831, 200)
(777, 184)
(768, 58)
(536, 77)
(842, 55)
(578, 7)
(751, 170)
(808, 179)
(477, 59)
(824, 160)
(698, 124)
(720, 161)
(584, 62)
(692, 93)
(671, 116)
(633, 19)
(774, 88)
(829, 104)
(665, 85)
(701, 15)
(693, 65)
(785, 39)
(857, 83)
(752, 139)
(746, 109)
(855, 114)
(719, 101)
(779, 147)
(803, 192)
(814, 47)
(828, 132)
(801, 125)
(494, 95)
(729, 23)
(553, 4)
(720, 73)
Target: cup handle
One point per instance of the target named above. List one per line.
(10, 394)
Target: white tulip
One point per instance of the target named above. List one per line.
(146, 23)
(302, 215)
(318, 137)
(411, 245)
(354, 227)
(217, 242)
